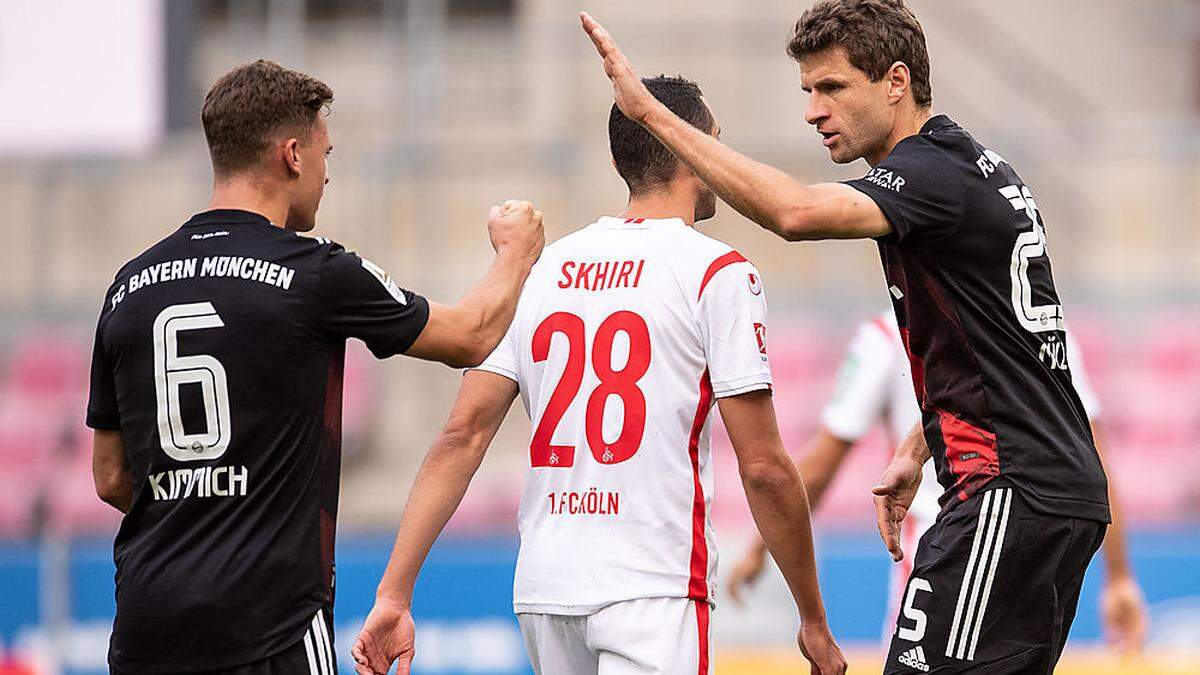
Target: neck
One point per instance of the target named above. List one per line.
(248, 194)
(908, 123)
(665, 204)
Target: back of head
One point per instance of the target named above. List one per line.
(254, 104)
(642, 161)
(875, 35)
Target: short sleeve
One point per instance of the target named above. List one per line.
(733, 325)
(504, 359)
(361, 300)
(919, 189)
(861, 394)
(1081, 380)
(102, 410)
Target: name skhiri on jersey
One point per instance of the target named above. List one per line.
(231, 266)
(206, 481)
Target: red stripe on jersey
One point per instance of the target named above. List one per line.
(882, 325)
(724, 261)
(698, 583)
(702, 610)
(971, 454)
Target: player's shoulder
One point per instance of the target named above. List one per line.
(709, 258)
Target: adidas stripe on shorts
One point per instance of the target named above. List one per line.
(993, 589)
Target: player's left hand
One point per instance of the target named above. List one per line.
(386, 636)
(1124, 611)
(632, 97)
(822, 651)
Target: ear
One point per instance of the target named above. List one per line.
(291, 156)
(899, 81)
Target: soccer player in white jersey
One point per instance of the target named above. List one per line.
(626, 333)
(874, 386)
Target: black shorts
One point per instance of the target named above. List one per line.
(313, 654)
(993, 589)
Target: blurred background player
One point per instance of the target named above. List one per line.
(874, 387)
(964, 255)
(217, 390)
(627, 331)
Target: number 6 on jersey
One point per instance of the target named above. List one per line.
(172, 371)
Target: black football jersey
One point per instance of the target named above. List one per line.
(969, 276)
(219, 355)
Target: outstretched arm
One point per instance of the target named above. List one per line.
(779, 505)
(760, 192)
(462, 335)
(451, 462)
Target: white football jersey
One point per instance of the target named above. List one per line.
(626, 332)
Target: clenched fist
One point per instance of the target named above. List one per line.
(515, 228)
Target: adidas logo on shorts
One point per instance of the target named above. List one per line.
(915, 658)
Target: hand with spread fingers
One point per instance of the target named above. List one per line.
(632, 97)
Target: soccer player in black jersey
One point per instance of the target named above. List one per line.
(996, 579)
(216, 392)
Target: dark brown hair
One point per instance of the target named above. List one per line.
(874, 33)
(250, 104)
(641, 159)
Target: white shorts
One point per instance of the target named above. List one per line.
(660, 636)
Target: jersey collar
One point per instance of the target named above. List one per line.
(636, 223)
(226, 217)
(937, 123)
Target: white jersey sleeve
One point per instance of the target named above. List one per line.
(733, 328)
(1079, 377)
(864, 384)
(504, 360)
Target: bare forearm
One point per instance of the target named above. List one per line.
(437, 491)
(1116, 557)
(493, 301)
(780, 508)
(759, 192)
(914, 446)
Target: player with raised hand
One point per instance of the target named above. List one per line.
(628, 331)
(216, 392)
(963, 247)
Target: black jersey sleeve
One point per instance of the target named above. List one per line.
(919, 188)
(361, 300)
(102, 397)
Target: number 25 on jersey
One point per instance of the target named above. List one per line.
(622, 383)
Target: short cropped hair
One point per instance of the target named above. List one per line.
(874, 33)
(642, 161)
(253, 103)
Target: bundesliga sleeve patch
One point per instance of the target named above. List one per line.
(755, 283)
(386, 280)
